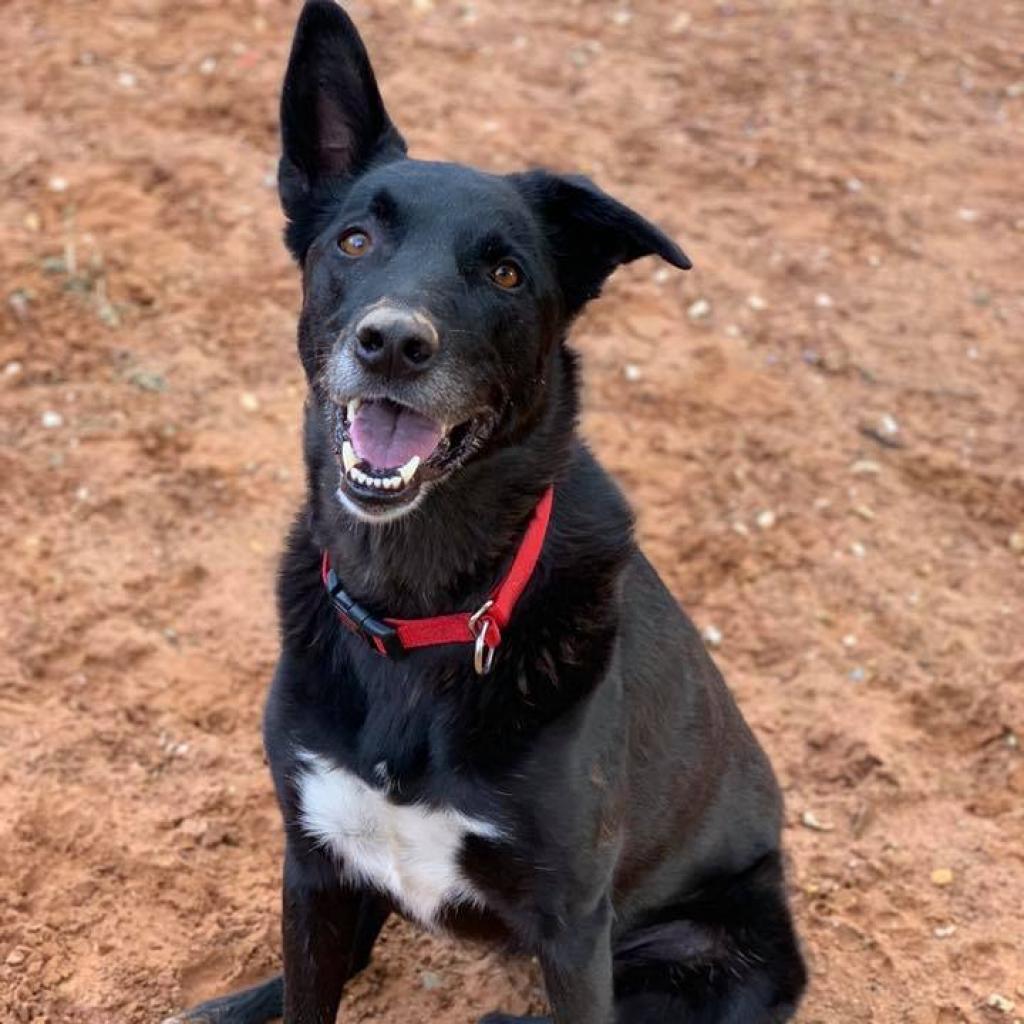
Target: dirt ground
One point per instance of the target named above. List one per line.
(821, 428)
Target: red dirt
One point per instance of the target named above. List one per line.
(856, 166)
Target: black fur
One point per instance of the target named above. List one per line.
(640, 856)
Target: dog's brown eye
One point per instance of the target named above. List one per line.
(507, 275)
(354, 243)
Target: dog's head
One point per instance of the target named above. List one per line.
(434, 295)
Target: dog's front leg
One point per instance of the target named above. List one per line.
(327, 929)
(577, 968)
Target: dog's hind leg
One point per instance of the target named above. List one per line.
(725, 955)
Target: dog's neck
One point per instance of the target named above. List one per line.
(447, 554)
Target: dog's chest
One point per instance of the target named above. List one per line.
(409, 851)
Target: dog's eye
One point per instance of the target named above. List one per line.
(354, 242)
(507, 275)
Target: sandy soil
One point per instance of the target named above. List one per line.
(821, 427)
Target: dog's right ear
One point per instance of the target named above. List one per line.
(333, 121)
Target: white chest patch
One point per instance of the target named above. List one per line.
(410, 852)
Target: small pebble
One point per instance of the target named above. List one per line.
(146, 380)
(887, 425)
(865, 467)
(944, 931)
(857, 549)
(857, 675)
(429, 980)
(967, 215)
(854, 185)
(942, 877)
(849, 641)
(631, 372)
(1000, 1003)
(864, 511)
(1016, 541)
(682, 21)
(13, 368)
(699, 310)
(57, 184)
(765, 519)
(622, 17)
(18, 301)
(823, 300)
(661, 275)
(16, 957)
(712, 636)
(810, 820)
(756, 302)
(127, 80)
(51, 419)
(208, 65)
(249, 402)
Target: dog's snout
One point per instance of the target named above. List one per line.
(395, 342)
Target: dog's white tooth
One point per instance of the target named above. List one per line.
(348, 455)
(359, 476)
(353, 408)
(408, 471)
(393, 482)
(375, 481)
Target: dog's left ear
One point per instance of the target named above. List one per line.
(333, 121)
(591, 233)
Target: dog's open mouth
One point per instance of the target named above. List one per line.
(387, 451)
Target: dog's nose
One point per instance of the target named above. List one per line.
(395, 342)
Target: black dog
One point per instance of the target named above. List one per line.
(489, 715)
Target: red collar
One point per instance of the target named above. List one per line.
(482, 628)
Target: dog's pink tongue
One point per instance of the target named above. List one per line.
(388, 436)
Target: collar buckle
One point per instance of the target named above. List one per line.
(358, 621)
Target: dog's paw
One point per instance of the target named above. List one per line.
(507, 1018)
